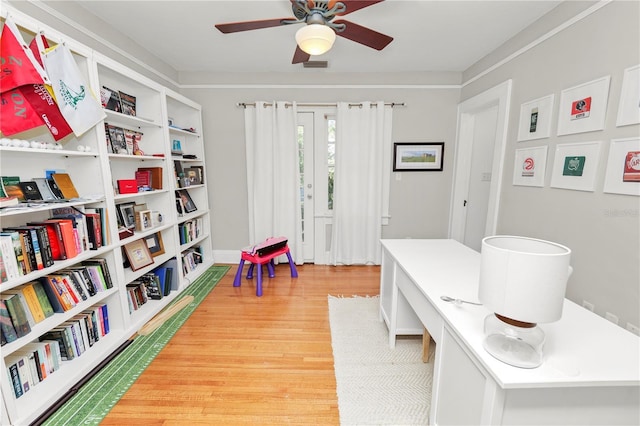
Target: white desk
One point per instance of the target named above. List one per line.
(591, 372)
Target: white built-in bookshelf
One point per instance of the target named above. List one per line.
(163, 117)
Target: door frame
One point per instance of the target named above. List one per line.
(499, 96)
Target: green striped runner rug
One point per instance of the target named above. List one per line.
(93, 401)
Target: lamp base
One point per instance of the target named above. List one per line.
(512, 344)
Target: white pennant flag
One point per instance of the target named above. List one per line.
(76, 101)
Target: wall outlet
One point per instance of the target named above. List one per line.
(611, 317)
(588, 305)
(633, 328)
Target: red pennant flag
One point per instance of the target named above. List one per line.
(16, 113)
(43, 105)
(18, 66)
(42, 101)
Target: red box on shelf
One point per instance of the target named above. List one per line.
(127, 186)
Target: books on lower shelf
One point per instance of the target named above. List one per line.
(36, 361)
(191, 258)
(190, 230)
(21, 308)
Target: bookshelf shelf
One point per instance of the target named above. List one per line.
(95, 167)
(54, 321)
(30, 152)
(177, 131)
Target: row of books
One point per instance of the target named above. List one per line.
(36, 245)
(122, 141)
(191, 258)
(153, 285)
(149, 178)
(190, 230)
(57, 187)
(36, 361)
(118, 101)
(23, 307)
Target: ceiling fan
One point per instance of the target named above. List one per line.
(319, 16)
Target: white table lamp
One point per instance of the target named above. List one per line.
(523, 280)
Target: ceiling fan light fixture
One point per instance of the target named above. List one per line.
(315, 39)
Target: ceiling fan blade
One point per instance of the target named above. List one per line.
(234, 27)
(300, 56)
(364, 35)
(354, 5)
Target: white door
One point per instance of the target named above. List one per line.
(316, 139)
(305, 155)
(480, 145)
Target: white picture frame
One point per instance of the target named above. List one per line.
(535, 118)
(629, 106)
(623, 167)
(575, 166)
(583, 108)
(530, 166)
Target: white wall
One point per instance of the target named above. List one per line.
(603, 230)
(419, 201)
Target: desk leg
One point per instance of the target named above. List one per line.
(426, 342)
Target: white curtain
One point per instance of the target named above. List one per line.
(273, 174)
(361, 182)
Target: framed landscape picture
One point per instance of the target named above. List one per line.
(418, 156)
(623, 167)
(582, 108)
(535, 118)
(530, 166)
(575, 166)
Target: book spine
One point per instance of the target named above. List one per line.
(24, 373)
(9, 257)
(36, 249)
(15, 380)
(66, 298)
(8, 330)
(18, 315)
(45, 246)
(105, 315)
(45, 303)
(64, 279)
(33, 303)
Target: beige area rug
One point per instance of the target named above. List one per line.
(376, 385)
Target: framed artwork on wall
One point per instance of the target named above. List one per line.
(535, 118)
(629, 107)
(623, 167)
(582, 108)
(530, 166)
(575, 165)
(418, 156)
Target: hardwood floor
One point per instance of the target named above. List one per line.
(242, 359)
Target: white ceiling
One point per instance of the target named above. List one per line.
(428, 35)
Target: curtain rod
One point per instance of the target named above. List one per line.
(391, 104)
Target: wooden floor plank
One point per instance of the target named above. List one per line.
(242, 359)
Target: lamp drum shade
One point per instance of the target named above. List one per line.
(524, 279)
(315, 39)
